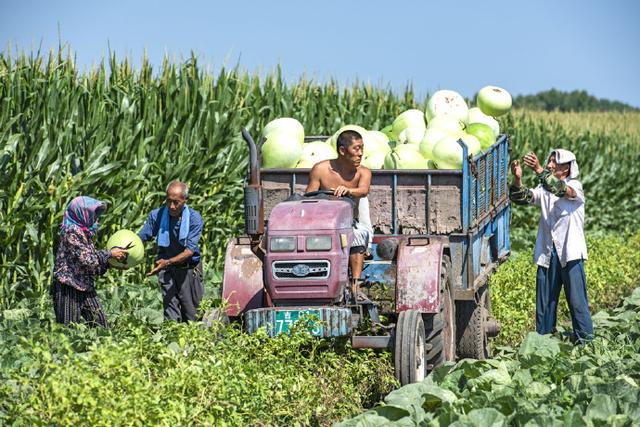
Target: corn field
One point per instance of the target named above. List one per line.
(120, 135)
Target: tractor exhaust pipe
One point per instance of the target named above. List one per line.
(254, 163)
(253, 202)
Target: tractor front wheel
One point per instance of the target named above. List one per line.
(409, 350)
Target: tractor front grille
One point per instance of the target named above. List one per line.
(301, 270)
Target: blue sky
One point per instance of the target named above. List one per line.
(523, 46)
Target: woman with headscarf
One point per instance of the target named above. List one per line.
(560, 249)
(78, 262)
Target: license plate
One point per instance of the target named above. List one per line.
(286, 318)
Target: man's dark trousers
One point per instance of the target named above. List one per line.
(549, 282)
(182, 291)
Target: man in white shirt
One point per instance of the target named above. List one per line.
(560, 246)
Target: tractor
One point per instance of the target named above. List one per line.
(438, 236)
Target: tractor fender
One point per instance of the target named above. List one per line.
(418, 275)
(242, 284)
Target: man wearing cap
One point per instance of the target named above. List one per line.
(560, 245)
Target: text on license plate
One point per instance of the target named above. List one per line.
(285, 318)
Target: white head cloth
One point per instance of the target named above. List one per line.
(566, 156)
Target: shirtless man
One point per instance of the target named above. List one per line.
(345, 176)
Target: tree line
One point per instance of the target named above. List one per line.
(577, 100)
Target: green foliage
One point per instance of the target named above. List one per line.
(625, 125)
(609, 163)
(547, 381)
(146, 372)
(577, 100)
(613, 269)
(120, 135)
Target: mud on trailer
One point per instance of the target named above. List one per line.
(439, 234)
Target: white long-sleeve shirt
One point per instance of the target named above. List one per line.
(561, 224)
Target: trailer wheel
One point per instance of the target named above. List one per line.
(473, 341)
(441, 327)
(409, 349)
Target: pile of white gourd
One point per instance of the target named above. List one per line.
(415, 139)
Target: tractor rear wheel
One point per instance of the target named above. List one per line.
(409, 349)
(473, 318)
(441, 327)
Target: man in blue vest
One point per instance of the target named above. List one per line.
(177, 229)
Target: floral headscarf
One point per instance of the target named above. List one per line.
(83, 212)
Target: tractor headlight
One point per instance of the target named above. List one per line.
(282, 244)
(318, 243)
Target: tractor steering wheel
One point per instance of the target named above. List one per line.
(327, 194)
(318, 192)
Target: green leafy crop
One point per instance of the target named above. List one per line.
(613, 270)
(144, 373)
(547, 381)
